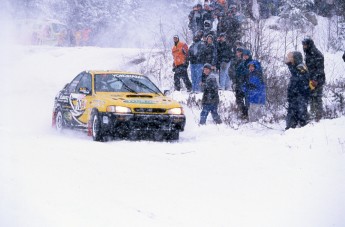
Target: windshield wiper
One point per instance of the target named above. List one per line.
(144, 85)
(126, 86)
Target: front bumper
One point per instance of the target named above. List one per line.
(142, 122)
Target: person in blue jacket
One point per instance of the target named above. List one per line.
(298, 91)
(255, 91)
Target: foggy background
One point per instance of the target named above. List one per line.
(113, 23)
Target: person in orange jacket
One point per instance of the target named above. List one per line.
(180, 65)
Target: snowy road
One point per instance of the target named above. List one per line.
(215, 175)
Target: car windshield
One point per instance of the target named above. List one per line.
(124, 83)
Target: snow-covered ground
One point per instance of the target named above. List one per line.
(214, 176)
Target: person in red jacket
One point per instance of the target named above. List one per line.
(180, 65)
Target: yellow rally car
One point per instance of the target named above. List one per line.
(113, 103)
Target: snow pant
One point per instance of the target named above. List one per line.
(297, 112)
(224, 79)
(196, 74)
(206, 109)
(181, 73)
(240, 102)
(255, 112)
(316, 106)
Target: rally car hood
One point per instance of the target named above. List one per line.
(133, 100)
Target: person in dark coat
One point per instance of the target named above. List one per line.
(234, 31)
(222, 26)
(242, 73)
(224, 55)
(211, 52)
(344, 56)
(196, 21)
(315, 63)
(298, 91)
(239, 81)
(210, 55)
(196, 57)
(210, 98)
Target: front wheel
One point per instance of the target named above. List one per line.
(96, 127)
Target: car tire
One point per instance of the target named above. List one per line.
(59, 122)
(96, 126)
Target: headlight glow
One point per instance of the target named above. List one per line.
(175, 111)
(118, 109)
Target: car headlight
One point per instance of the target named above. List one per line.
(118, 109)
(175, 111)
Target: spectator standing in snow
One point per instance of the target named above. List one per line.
(222, 26)
(344, 56)
(208, 14)
(180, 65)
(196, 57)
(224, 55)
(255, 91)
(210, 98)
(208, 28)
(210, 55)
(211, 52)
(242, 73)
(298, 91)
(196, 20)
(233, 32)
(239, 84)
(315, 63)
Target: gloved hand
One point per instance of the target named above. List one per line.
(312, 84)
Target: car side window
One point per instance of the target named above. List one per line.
(85, 82)
(72, 86)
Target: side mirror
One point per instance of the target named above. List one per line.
(84, 90)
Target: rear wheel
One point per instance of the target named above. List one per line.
(59, 122)
(96, 127)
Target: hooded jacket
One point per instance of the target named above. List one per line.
(254, 86)
(315, 62)
(210, 95)
(299, 81)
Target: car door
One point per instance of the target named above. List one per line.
(80, 98)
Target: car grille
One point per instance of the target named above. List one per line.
(149, 110)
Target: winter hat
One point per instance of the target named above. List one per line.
(308, 41)
(239, 49)
(176, 36)
(210, 36)
(298, 57)
(207, 23)
(247, 52)
(251, 63)
(200, 33)
(222, 35)
(208, 66)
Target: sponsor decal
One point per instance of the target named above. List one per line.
(138, 101)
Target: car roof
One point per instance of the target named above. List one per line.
(113, 72)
